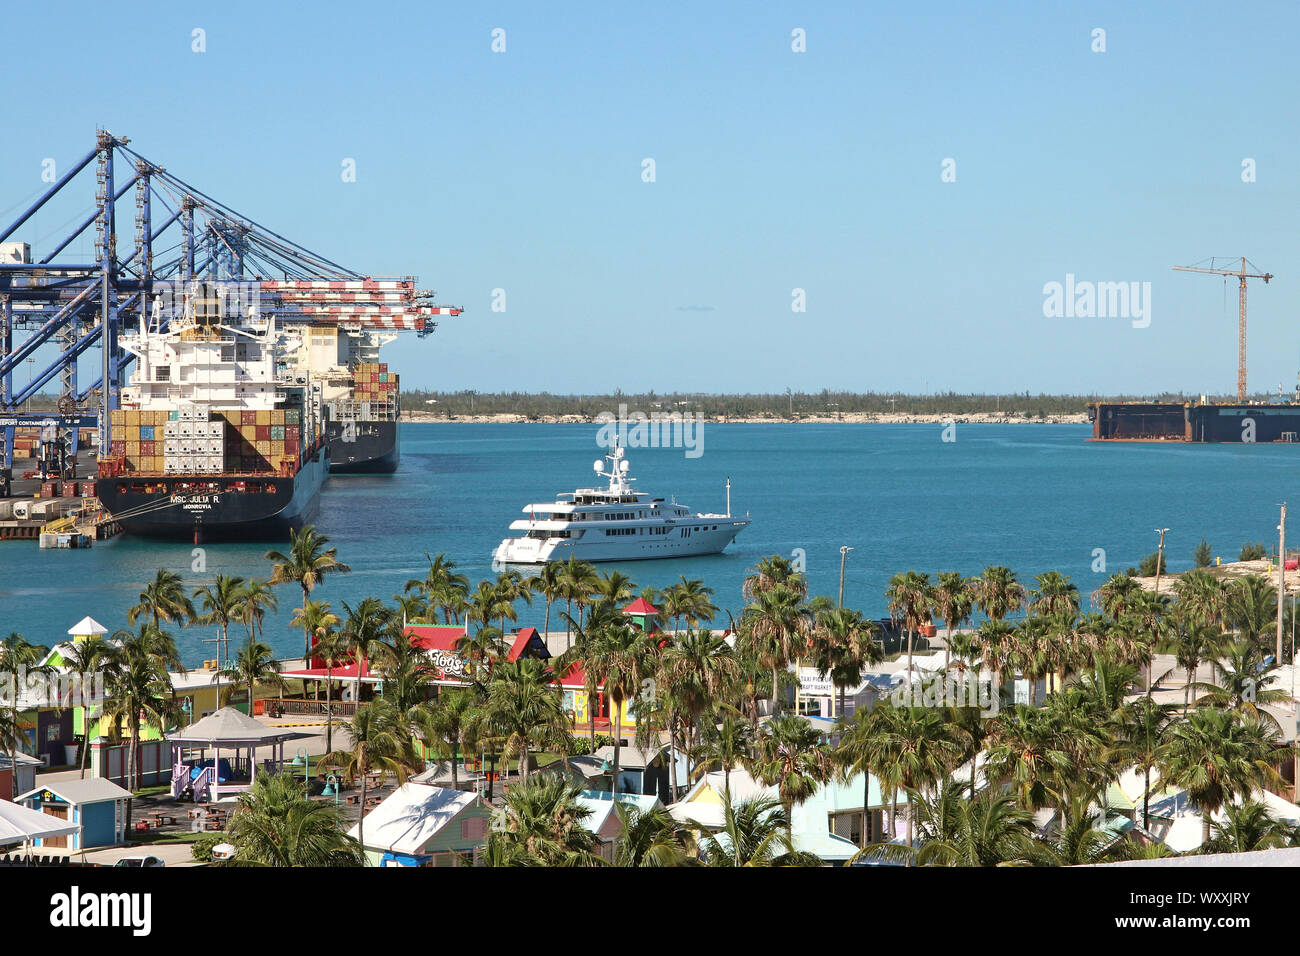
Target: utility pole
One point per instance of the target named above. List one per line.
(1281, 579)
(844, 553)
(1160, 556)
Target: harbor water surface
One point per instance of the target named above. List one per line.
(1032, 497)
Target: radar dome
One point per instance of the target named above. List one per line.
(598, 466)
(622, 466)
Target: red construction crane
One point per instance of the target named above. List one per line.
(1242, 275)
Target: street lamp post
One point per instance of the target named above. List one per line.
(1160, 556)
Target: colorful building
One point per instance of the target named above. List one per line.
(422, 825)
(98, 805)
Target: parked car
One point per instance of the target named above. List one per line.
(139, 861)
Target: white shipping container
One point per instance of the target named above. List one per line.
(171, 466)
(22, 509)
(172, 430)
(172, 446)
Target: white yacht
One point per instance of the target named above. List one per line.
(615, 523)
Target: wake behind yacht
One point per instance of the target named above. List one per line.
(615, 523)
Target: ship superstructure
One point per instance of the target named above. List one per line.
(218, 435)
(615, 523)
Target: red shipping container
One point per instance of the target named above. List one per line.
(49, 489)
(263, 432)
(290, 447)
(248, 418)
(292, 432)
(117, 449)
(146, 449)
(69, 489)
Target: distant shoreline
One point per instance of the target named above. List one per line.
(849, 418)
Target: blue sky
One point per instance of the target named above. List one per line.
(775, 170)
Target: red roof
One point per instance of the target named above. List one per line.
(575, 679)
(522, 640)
(435, 637)
(641, 606)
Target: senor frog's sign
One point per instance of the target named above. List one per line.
(451, 665)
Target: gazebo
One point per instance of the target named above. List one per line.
(214, 776)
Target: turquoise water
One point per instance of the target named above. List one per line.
(1033, 497)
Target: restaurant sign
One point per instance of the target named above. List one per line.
(451, 665)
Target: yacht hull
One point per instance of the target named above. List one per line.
(698, 540)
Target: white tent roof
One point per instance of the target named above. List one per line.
(410, 816)
(19, 824)
(86, 627)
(229, 725)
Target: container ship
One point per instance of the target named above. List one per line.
(1218, 422)
(361, 398)
(217, 436)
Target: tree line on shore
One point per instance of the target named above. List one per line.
(722, 702)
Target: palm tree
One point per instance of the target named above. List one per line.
(844, 643)
(442, 588)
(865, 750)
(614, 587)
(953, 599)
(550, 585)
(364, 628)
(334, 650)
(775, 629)
(771, 572)
(1218, 756)
(1141, 735)
(1055, 595)
(511, 586)
(908, 595)
(728, 745)
(163, 599)
(1251, 607)
(1117, 595)
(998, 593)
(258, 599)
(17, 656)
(1244, 681)
(276, 825)
(448, 725)
(920, 747)
(1195, 643)
(542, 825)
(307, 564)
(757, 833)
(791, 756)
(221, 604)
(690, 600)
(699, 667)
(988, 830)
(648, 837)
(1202, 597)
(1246, 827)
(619, 658)
(578, 583)
(254, 664)
(139, 693)
(12, 739)
(94, 655)
(380, 741)
(524, 710)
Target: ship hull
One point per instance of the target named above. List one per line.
(203, 508)
(703, 540)
(368, 448)
(1241, 424)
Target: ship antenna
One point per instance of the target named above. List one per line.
(728, 496)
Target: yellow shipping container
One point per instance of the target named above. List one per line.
(118, 416)
(249, 432)
(264, 417)
(263, 448)
(277, 416)
(132, 448)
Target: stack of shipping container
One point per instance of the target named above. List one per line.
(373, 384)
(190, 440)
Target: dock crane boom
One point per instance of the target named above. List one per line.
(1242, 275)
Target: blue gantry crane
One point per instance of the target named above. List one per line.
(74, 307)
